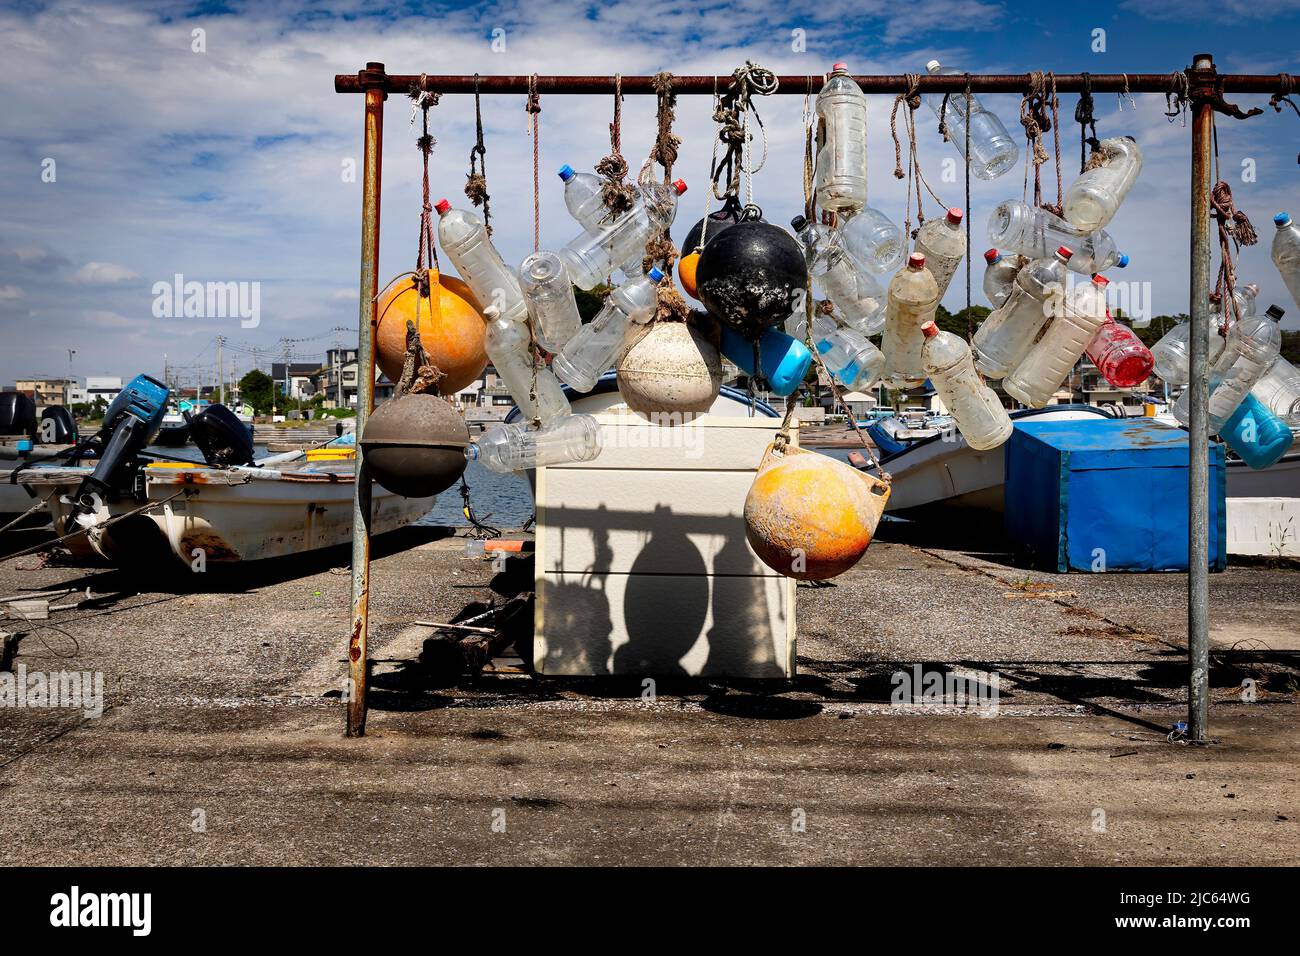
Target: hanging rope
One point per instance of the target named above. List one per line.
(970, 318)
(1087, 123)
(427, 251)
(732, 111)
(619, 195)
(659, 248)
(1039, 113)
(915, 178)
(476, 180)
(664, 151)
(1283, 95)
(533, 107)
(419, 374)
(1177, 96)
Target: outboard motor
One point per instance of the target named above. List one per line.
(58, 427)
(223, 438)
(130, 424)
(17, 414)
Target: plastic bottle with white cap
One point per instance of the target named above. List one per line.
(993, 151)
(842, 160)
(531, 384)
(549, 296)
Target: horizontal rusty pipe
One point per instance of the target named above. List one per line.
(375, 77)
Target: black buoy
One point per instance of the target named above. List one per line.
(719, 222)
(750, 276)
(415, 445)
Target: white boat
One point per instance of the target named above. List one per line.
(247, 513)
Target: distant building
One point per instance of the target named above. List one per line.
(106, 387)
(45, 391)
(296, 379)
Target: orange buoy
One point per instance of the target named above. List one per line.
(686, 273)
(809, 516)
(451, 329)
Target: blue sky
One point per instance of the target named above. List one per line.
(226, 165)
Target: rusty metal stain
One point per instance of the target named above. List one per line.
(213, 546)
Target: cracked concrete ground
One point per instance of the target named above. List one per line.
(222, 706)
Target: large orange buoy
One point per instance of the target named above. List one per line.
(686, 273)
(451, 329)
(809, 516)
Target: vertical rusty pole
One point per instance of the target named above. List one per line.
(372, 78)
(1201, 90)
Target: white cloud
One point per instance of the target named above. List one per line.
(9, 293)
(103, 273)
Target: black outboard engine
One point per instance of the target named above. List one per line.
(130, 424)
(223, 438)
(58, 427)
(17, 414)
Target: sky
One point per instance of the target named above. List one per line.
(135, 149)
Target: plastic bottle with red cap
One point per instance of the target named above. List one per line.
(1120, 356)
(975, 407)
(1000, 274)
(943, 243)
(591, 258)
(842, 161)
(464, 238)
(1009, 331)
(913, 297)
(1049, 361)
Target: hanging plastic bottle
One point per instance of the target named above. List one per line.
(874, 241)
(853, 291)
(465, 240)
(1286, 253)
(1035, 232)
(584, 198)
(1119, 355)
(513, 447)
(842, 160)
(784, 357)
(1000, 275)
(1008, 333)
(975, 407)
(1252, 347)
(531, 384)
(590, 258)
(1048, 362)
(1173, 352)
(590, 353)
(1093, 199)
(850, 358)
(943, 243)
(1279, 391)
(549, 296)
(992, 150)
(913, 297)
(1257, 435)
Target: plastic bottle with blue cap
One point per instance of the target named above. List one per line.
(1286, 253)
(590, 352)
(785, 359)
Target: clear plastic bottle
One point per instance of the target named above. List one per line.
(1048, 362)
(849, 356)
(465, 240)
(874, 241)
(842, 160)
(549, 296)
(975, 407)
(993, 151)
(514, 447)
(584, 198)
(943, 243)
(531, 384)
(1119, 355)
(1000, 275)
(852, 290)
(784, 358)
(1279, 391)
(1173, 352)
(590, 353)
(1035, 232)
(1093, 199)
(1009, 331)
(1250, 351)
(1286, 253)
(591, 258)
(913, 296)
(1245, 297)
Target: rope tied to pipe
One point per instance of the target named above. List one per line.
(533, 107)
(1177, 96)
(1040, 113)
(422, 100)
(731, 112)
(915, 177)
(1083, 115)
(618, 194)
(476, 190)
(1283, 95)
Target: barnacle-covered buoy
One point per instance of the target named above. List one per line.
(750, 276)
(414, 445)
(811, 517)
(451, 330)
(670, 371)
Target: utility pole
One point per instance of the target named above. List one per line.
(221, 381)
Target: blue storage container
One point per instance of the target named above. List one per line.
(1107, 494)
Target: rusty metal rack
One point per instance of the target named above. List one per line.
(1201, 85)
